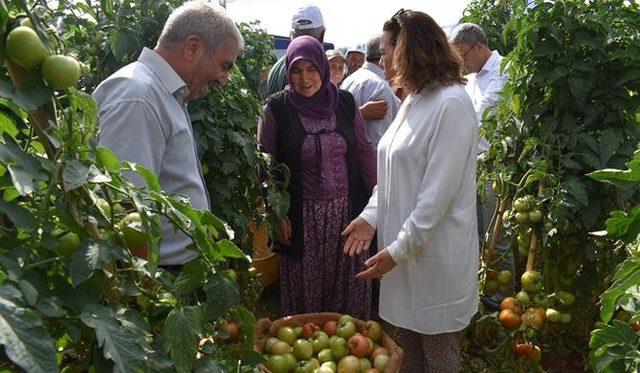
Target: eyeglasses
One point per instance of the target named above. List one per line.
(398, 16)
(464, 56)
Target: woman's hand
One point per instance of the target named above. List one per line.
(359, 235)
(284, 233)
(377, 266)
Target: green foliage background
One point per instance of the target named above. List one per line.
(570, 107)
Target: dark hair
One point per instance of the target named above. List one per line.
(373, 49)
(423, 57)
(317, 33)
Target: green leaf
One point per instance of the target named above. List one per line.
(624, 179)
(51, 307)
(77, 173)
(31, 100)
(627, 275)
(609, 140)
(29, 292)
(580, 88)
(20, 216)
(90, 258)
(119, 344)
(207, 365)
(222, 294)
(181, 333)
(624, 225)
(123, 42)
(229, 250)
(613, 346)
(25, 168)
(577, 190)
(190, 278)
(147, 175)
(25, 339)
(107, 159)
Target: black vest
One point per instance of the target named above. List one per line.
(290, 136)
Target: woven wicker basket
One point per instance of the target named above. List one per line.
(266, 328)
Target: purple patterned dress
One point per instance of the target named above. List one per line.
(323, 280)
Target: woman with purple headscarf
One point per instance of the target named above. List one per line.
(316, 130)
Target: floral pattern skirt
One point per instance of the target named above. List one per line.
(323, 279)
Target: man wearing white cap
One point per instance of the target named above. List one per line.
(337, 63)
(307, 20)
(355, 60)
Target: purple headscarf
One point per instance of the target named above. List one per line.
(324, 102)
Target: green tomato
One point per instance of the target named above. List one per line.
(69, 243)
(553, 315)
(26, 22)
(25, 47)
(522, 217)
(565, 297)
(505, 277)
(520, 205)
(531, 281)
(497, 187)
(133, 231)
(506, 215)
(60, 71)
(524, 239)
(523, 251)
(535, 216)
(523, 297)
(490, 287)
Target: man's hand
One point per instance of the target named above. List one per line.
(374, 110)
(377, 266)
(359, 235)
(284, 233)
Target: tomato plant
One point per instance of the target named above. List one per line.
(73, 296)
(554, 124)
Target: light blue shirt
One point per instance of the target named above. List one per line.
(144, 119)
(366, 84)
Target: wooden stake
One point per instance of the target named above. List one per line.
(496, 232)
(533, 246)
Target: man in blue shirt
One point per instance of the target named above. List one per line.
(143, 107)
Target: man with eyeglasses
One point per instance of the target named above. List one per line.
(486, 81)
(484, 85)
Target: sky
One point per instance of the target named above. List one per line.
(348, 22)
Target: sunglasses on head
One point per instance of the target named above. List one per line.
(398, 16)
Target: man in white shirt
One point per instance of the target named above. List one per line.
(143, 111)
(355, 60)
(484, 85)
(368, 84)
(486, 81)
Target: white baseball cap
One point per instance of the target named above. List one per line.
(355, 49)
(306, 17)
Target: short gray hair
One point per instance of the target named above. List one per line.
(317, 33)
(203, 19)
(373, 49)
(469, 33)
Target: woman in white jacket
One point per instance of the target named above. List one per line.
(424, 206)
